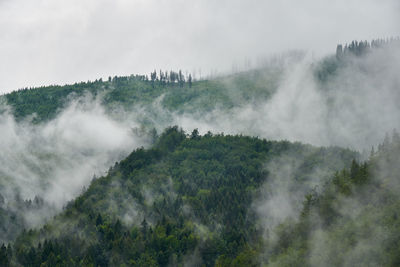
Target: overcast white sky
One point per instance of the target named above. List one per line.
(64, 41)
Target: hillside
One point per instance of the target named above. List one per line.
(338, 97)
(352, 221)
(199, 133)
(187, 199)
(137, 90)
(180, 93)
(226, 199)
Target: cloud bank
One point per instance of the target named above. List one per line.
(354, 108)
(57, 159)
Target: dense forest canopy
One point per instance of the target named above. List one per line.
(132, 90)
(190, 194)
(187, 197)
(352, 221)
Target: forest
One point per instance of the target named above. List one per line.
(272, 166)
(188, 195)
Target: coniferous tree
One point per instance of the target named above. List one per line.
(190, 80)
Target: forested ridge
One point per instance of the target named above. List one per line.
(352, 221)
(127, 91)
(186, 199)
(181, 91)
(210, 199)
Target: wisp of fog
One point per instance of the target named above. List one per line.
(55, 160)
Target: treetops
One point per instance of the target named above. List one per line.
(358, 48)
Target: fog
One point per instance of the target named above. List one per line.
(360, 234)
(354, 108)
(282, 195)
(57, 159)
(56, 42)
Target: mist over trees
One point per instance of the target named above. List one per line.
(359, 48)
(188, 195)
(351, 221)
(216, 190)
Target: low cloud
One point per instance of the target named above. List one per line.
(354, 108)
(55, 160)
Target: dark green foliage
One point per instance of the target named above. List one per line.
(12, 220)
(137, 91)
(46, 101)
(5, 255)
(188, 197)
(354, 219)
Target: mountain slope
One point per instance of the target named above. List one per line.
(136, 90)
(352, 221)
(207, 199)
(187, 199)
(336, 100)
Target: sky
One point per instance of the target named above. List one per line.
(47, 42)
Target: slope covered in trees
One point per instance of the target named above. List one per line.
(352, 221)
(182, 93)
(342, 95)
(187, 199)
(176, 94)
(218, 200)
